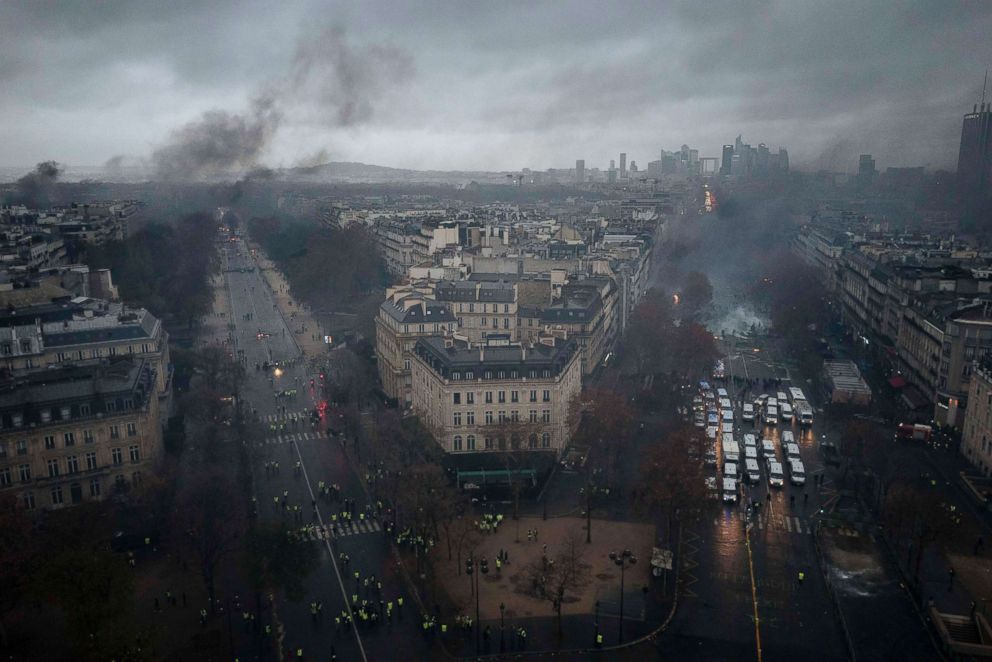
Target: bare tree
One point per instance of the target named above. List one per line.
(560, 577)
(211, 514)
(673, 480)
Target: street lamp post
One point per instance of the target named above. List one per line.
(473, 576)
(595, 623)
(502, 644)
(622, 560)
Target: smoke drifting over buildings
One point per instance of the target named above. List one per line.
(35, 188)
(329, 83)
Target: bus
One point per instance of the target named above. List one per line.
(796, 395)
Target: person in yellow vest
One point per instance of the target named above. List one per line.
(599, 640)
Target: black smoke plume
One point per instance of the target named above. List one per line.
(35, 190)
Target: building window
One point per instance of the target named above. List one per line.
(495, 322)
(117, 456)
(72, 464)
(111, 406)
(64, 413)
(457, 443)
(488, 443)
(24, 472)
(406, 364)
(134, 453)
(546, 440)
(136, 478)
(506, 322)
(132, 429)
(532, 441)
(456, 398)
(28, 499)
(470, 418)
(514, 396)
(5, 477)
(533, 396)
(545, 415)
(457, 418)
(547, 396)
(91, 461)
(22, 446)
(49, 441)
(469, 375)
(489, 397)
(53, 468)
(533, 416)
(489, 418)
(501, 417)
(470, 398)
(84, 410)
(502, 397)
(515, 416)
(95, 487)
(115, 432)
(69, 438)
(88, 437)
(57, 495)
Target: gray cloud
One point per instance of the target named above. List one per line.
(497, 86)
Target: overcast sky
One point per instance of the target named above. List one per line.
(489, 85)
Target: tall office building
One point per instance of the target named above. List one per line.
(728, 158)
(866, 169)
(975, 154)
(580, 170)
(623, 164)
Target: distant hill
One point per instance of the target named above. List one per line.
(353, 172)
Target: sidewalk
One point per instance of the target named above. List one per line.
(306, 330)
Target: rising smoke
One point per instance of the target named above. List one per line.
(329, 83)
(35, 189)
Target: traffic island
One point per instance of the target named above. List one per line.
(543, 587)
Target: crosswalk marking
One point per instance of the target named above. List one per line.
(290, 438)
(298, 416)
(791, 524)
(339, 530)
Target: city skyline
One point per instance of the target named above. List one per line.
(458, 90)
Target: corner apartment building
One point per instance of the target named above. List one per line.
(481, 307)
(497, 395)
(405, 316)
(78, 433)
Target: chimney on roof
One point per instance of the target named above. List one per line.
(482, 353)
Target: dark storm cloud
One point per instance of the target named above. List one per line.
(497, 85)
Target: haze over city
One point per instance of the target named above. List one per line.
(460, 331)
(453, 86)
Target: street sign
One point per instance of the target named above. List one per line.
(661, 558)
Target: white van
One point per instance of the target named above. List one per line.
(796, 395)
(792, 452)
(786, 412)
(797, 472)
(775, 477)
(768, 449)
(721, 393)
(782, 397)
(750, 440)
(750, 452)
(730, 470)
(728, 416)
(751, 468)
(725, 403)
(711, 432)
(748, 414)
(727, 428)
(771, 415)
(730, 490)
(788, 437)
(771, 402)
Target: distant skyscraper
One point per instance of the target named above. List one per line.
(623, 164)
(975, 154)
(580, 170)
(866, 169)
(613, 164)
(728, 158)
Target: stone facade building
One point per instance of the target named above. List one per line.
(79, 433)
(498, 395)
